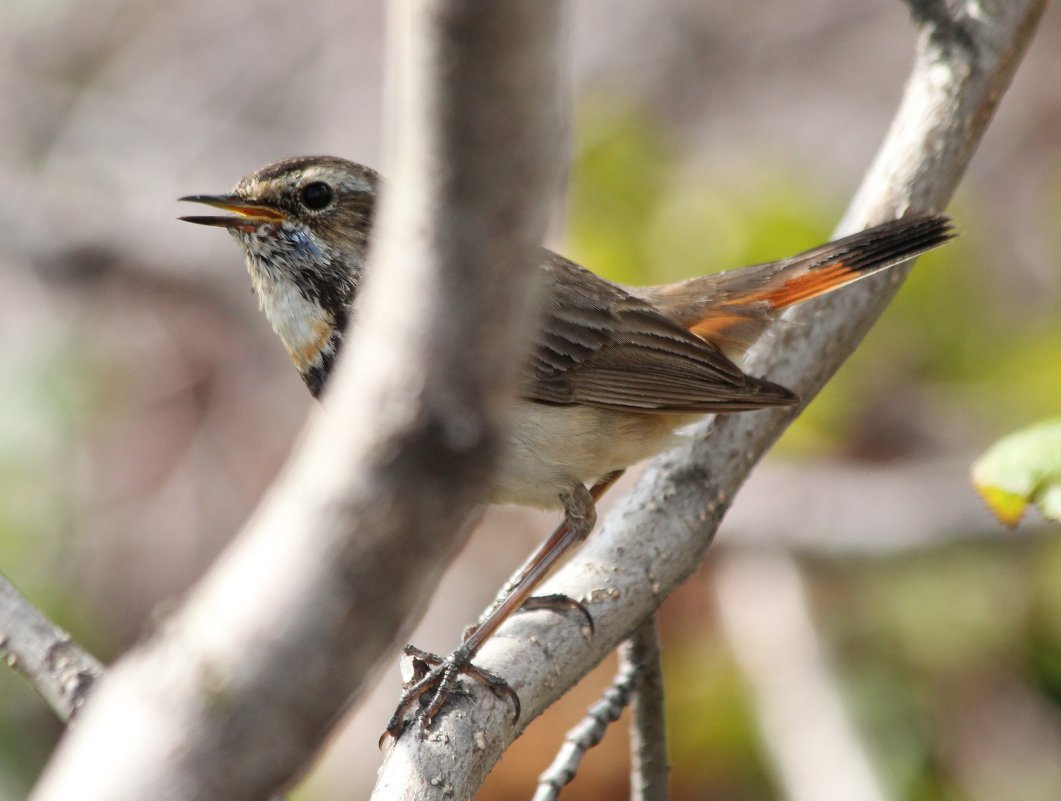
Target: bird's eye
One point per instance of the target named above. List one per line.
(316, 195)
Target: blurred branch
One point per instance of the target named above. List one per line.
(847, 510)
(815, 748)
(56, 667)
(930, 12)
(234, 695)
(658, 534)
(648, 734)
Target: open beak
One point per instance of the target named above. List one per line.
(248, 215)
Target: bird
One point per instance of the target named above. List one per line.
(614, 372)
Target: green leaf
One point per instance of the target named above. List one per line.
(1022, 468)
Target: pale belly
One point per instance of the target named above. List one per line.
(551, 448)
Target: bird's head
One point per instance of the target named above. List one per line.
(303, 224)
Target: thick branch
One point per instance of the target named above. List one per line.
(50, 661)
(237, 691)
(659, 533)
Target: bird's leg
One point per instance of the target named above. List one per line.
(435, 678)
(533, 566)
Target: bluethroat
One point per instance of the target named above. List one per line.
(614, 371)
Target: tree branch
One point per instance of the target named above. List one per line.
(638, 682)
(56, 667)
(648, 733)
(589, 731)
(659, 533)
(816, 750)
(238, 690)
(858, 511)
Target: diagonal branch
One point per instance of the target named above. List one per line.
(235, 694)
(57, 668)
(659, 533)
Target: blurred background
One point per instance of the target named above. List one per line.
(861, 619)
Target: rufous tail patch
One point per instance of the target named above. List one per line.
(802, 287)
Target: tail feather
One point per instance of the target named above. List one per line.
(731, 309)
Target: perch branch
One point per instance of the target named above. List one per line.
(659, 533)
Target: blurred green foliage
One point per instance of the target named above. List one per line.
(640, 215)
(1022, 468)
(934, 641)
(708, 714)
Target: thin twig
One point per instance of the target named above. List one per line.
(55, 666)
(589, 731)
(638, 683)
(648, 733)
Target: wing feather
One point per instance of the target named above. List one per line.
(671, 348)
(600, 345)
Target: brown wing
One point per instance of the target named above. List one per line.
(601, 346)
(669, 348)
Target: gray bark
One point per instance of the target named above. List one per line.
(56, 667)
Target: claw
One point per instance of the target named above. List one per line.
(436, 679)
(558, 603)
(422, 663)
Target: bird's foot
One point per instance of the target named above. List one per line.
(433, 681)
(557, 602)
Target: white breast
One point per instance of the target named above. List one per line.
(551, 448)
(302, 324)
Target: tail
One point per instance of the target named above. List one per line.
(731, 309)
